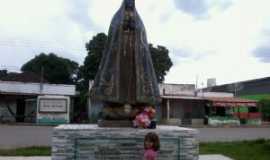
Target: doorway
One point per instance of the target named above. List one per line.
(20, 113)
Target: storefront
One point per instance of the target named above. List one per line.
(232, 111)
(35, 103)
(183, 110)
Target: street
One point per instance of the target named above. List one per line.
(24, 136)
(12, 136)
(232, 134)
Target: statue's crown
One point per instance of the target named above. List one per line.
(130, 4)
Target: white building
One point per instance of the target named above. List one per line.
(35, 102)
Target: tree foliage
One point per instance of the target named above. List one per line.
(265, 108)
(161, 61)
(55, 69)
(91, 63)
(160, 56)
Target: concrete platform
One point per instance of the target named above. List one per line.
(84, 142)
(202, 157)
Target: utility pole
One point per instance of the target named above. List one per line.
(196, 86)
(197, 78)
(41, 80)
(202, 89)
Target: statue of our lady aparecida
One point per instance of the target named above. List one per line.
(126, 75)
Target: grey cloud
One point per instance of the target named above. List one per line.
(194, 7)
(200, 8)
(78, 12)
(165, 17)
(17, 52)
(224, 4)
(182, 54)
(263, 53)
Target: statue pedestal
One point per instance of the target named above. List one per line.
(115, 123)
(90, 142)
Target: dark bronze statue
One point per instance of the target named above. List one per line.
(126, 74)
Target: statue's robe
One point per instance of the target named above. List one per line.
(126, 74)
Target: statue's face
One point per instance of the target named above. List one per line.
(130, 4)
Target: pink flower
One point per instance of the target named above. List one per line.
(142, 120)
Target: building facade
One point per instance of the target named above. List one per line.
(182, 105)
(35, 102)
(248, 88)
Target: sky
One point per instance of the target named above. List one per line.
(224, 39)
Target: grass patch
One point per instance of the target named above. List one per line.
(244, 150)
(257, 97)
(30, 151)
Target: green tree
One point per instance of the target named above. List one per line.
(265, 108)
(91, 63)
(55, 69)
(160, 56)
(161, 61)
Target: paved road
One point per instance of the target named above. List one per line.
(232, 134)
(25, 136)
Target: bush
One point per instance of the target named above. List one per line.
(265, 108)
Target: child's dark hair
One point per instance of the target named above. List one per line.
(152, 137)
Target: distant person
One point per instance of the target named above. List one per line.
(151, 146)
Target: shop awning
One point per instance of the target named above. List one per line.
(231, 102)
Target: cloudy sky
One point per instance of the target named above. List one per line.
(224, 39)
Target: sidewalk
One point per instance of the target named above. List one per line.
(214, 157)
(25, 158)
(202, 157)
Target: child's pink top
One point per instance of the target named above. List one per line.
(150, 154)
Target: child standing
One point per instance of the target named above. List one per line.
(151, 146)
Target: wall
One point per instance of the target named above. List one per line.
(30, 110)
(177, 89)
(53, 110)
(36, 88)
(220, 121)
(179, 107)
(214, 94)
(86, 142)
(5, 116)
